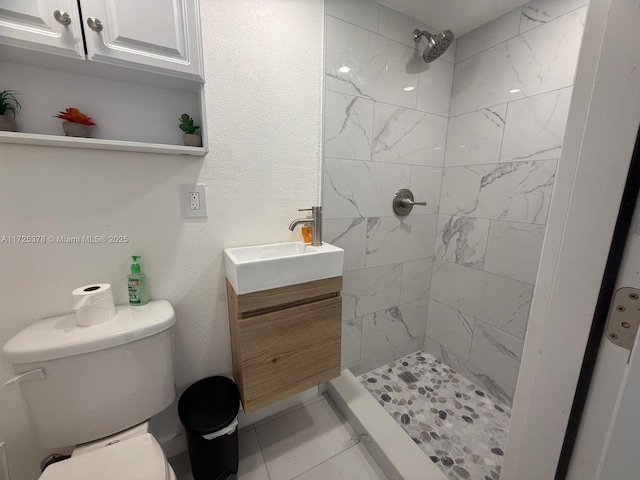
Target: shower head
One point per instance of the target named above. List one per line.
(436, 43)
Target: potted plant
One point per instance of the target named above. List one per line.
(9, 105)
(191, 138)
(77, 123)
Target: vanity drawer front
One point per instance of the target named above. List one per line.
(288, 351)
(250, 304)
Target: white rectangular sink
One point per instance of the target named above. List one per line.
(261, 267)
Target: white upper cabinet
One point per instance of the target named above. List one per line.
(160, 36)
(51, 26)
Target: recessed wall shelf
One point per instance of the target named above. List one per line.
(98, 144)
(135, 91)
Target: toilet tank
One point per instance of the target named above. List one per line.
(95, 380)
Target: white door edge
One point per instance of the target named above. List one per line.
(602, 126)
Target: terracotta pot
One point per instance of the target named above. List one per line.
(72, 129)
(7, 123)
(192, 140)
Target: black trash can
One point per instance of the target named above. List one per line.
(208, 411)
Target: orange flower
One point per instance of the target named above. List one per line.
(76, 116)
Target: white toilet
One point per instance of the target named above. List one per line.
(97, 386)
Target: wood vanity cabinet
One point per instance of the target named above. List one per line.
(285, 340)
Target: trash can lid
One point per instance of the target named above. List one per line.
(209, 405)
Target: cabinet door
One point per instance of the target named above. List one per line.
(288, 351)
(155, 35)
(32, 24)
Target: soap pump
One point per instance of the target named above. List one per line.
(137, 284)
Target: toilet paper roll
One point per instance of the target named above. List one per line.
(94, 304)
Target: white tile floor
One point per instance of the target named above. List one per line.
(313, 442)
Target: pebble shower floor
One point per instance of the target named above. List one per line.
(461, 427)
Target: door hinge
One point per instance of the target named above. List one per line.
(624, 317)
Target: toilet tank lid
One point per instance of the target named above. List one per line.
(139, 458)
(60, 337)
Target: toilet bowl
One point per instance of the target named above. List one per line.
(93, 386)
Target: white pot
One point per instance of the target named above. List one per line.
(7, 123)
(72, 129)
(192, 140)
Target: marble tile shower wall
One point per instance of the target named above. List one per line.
(385, 128)
(509, 103)
(481, 147)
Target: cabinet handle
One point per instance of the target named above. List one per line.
(94, 24)
(62, 17)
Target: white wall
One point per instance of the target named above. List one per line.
(263, 63)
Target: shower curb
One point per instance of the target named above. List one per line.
(390, 446)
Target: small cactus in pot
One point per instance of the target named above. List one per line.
(191, 138)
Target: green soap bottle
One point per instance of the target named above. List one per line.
(137, 284)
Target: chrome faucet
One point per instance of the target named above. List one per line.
(315, 221)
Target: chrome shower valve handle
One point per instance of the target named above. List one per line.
(403, 202)
(407, 202)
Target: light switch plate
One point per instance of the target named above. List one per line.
(193, 200)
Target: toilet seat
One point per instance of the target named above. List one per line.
(138, 458)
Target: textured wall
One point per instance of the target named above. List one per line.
(263, 64)
(384, 129)
(510, 99)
